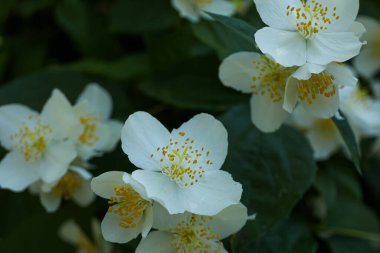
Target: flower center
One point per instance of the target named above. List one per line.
(271, 79)
(204, 2)
(128, 205)
(320, 84)
(68, 184)
(88, 136)
(194, 236)
(31, 141)
(182, 162)
(313, 17)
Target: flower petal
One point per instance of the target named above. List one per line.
(187, 9)
(50, 201)
(157, 242)
(164, 221)
(139, 188)
(148, 221)
(114, 128)
(229, 221)
(113, 232)
(359, 29)
(141, 135)
(70, 232)
(305, 71)
(343, 75)
(221, 7)
(273, 13)
(325, 48)
(11, 119)
(215, 191)
(84, 196)
(16, 174)
(367, 63)
(323, 107)
(237, 71)
(56, 161)
(373, 29)
(104, 184)
(59, 114)
(286, 48)
(267, 115)
(291, 95)
(98, 100)
(208, 133)
(346, 10)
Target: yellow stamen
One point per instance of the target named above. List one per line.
(88, 136)
(68, 184)
(319, 84)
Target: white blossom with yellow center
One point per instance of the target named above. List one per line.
(73, 186)
(276, 89)
(130, 210)
(181, 169)
(367, 63)
(71, 233)
(100, 134)
(194, 10)
(308, 31)
(39, 145)
(190, 233)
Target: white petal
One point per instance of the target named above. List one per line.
(325, 48)
(208, 133)
(305, 71)
(50, 201)
(215, 191)
(84, 196)
(286, 48)
(367, 63)
(323, 107)
(267, 115)
(104, 184)
(98, 99)
(139, 188)
(56, 160)
(16, 174)
(237, 70)
(273, 13)
(141, 135)
(157, 242)
(82, 172)
(113, 232)
(11, 119)
(342, 74)
(161, 189)
(229, 221)
(148, 221)
(59, 114)
(373, 29)
(221, 7)
(291, 95)
(347, 10)
(114, 129)
(187, 9)
(358, 28)
(70, 232)
(164, 221)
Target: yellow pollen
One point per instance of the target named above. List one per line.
(88, 136)
(31, 141)
(313, 17)
(319, 84)
(271, 79)
(128, 205)
(195, 236)
(68, 184)
(182, 161)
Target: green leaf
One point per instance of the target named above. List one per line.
(274, 174)
(349, 245)
(193, 85)
(349, 138)
(131, 16)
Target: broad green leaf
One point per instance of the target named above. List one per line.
(349, 245)
(193, 85)
(274, 174)
(349, 138)
(131, 16)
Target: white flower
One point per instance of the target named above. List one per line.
(308, 31)
(130, 211)
(74, 185)
(367, 63)
(181, 169)
(193, 10)
(100, 134)
(38, 144)
(71, 233)
(276, 90)
(192, 233)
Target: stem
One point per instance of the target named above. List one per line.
(349, 232)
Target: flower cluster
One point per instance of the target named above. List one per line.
(178, 189)
(304, 46)
(49, 151)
